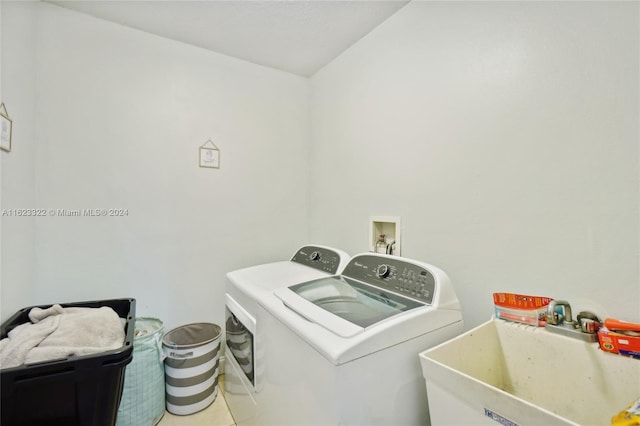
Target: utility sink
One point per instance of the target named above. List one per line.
(517, 374)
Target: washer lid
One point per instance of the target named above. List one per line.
(342, 305)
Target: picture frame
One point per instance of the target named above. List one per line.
(6, 128)
(209, 155)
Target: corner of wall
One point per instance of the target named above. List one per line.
(18, 28)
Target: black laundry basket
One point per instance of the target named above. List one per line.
(76, 391)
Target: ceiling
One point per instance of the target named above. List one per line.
(297, 36)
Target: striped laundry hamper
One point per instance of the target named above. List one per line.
(143, 397)
(240, 342)
(191, 367)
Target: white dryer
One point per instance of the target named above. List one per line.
(244, 288)
(343, 350)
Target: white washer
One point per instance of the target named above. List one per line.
(343, 350)
(244, 287)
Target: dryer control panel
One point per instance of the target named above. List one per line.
(320, 258)
(393, 275)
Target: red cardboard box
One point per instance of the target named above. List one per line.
(619, 343)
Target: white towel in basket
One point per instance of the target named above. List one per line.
(58, 333)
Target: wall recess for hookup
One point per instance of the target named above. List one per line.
(384, 234)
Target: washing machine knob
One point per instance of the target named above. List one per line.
(383, 271)
(315, 256)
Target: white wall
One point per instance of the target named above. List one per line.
(1, 298)
(504, 134)
(17, 259)
(121, 115)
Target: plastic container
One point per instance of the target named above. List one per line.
(79, 390)
(521, 308)
(143, 398)
(191, 367)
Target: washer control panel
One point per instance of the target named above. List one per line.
(394, 275)
(320, 258)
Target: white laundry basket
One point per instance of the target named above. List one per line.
(143, 397)
(191, 367)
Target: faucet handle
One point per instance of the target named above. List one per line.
(589, 322)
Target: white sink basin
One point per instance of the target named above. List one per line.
(508, 372)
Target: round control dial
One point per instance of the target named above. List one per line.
(315, 256)
(383, 271)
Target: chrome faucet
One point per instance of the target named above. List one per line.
(563, 323)
(556, 318)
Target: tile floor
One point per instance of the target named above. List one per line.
(217, 414)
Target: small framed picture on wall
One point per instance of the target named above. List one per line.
(209, 155)
(5, 129)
